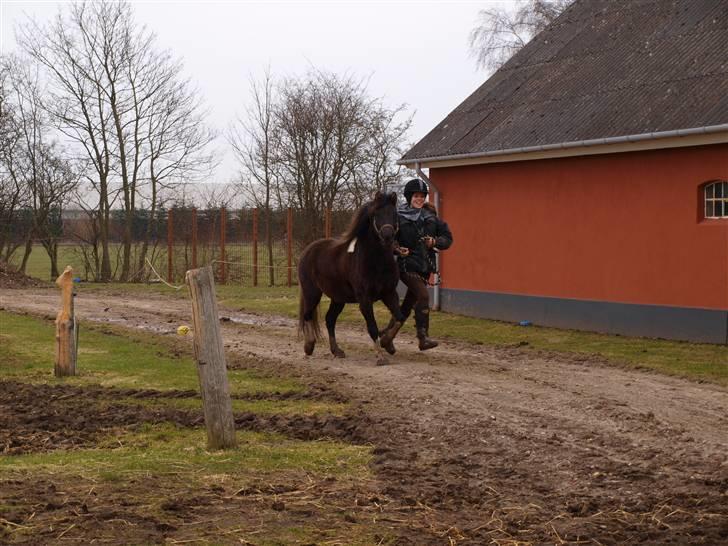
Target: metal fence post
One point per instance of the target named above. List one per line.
(194, 238)
(255, 246)
(170, 243)
(289, 238)
(223, 227)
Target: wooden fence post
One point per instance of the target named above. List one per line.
(210, 358)
(289, 249)
(194, 238)
(170, 243)
(66, 349)
(255, 246)
(223, 228)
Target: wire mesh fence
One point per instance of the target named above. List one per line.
(248, 247)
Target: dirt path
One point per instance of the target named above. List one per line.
(498, 444)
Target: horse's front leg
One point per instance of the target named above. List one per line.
(332, 314)
(367, 311)
(391, 300)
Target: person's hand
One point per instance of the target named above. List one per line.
(404, 251)
(429, 241)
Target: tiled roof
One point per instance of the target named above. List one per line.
(604, 68)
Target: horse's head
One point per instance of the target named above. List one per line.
(383, 216)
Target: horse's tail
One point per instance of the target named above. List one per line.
(308, 320)
(309, 327)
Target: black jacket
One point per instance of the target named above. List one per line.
(412, 228)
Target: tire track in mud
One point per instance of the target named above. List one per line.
(498, 444)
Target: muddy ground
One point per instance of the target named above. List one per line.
(473, 444)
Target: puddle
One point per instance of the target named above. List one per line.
(154, 328)
(255, 320)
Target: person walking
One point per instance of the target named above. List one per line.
(421, 233)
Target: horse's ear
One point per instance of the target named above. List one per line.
(377, 196)
(393, 198)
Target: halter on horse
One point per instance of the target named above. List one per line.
(357, 267)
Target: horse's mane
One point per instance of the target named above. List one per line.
(360, 222)
(358, 225)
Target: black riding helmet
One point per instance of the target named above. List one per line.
(413, 186)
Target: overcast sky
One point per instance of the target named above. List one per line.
(413, 52)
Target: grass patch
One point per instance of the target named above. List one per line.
(154, 465)
(700, 361)
(113, 357)
(239, 271)
(39, 264)
(166, 449)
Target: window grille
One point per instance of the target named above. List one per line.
(716, 199)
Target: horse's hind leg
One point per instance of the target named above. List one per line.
(332, 314)
(311, 297)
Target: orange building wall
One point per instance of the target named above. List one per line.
(617, 227)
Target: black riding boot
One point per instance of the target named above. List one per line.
(422, 321)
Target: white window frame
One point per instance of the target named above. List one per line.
(710, 199)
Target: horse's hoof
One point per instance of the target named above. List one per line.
(382, 361)
(338, 353)
(388, 345)
(308, 348)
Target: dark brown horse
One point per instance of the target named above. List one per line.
(357, 267)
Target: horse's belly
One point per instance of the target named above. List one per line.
(340, 293)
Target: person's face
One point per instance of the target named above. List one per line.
(418, 200)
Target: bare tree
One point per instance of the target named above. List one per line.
(255, 141)
(78, 101)
(122, 101)
(332, 137)
(58, 181)
(378, 169)
(13, 195)
(500, 33)
(177, 139)
(36, 163)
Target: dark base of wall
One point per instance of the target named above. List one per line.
(682, 323)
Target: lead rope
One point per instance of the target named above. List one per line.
(433, 265)
(435, 272)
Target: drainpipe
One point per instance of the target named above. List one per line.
(435, 201)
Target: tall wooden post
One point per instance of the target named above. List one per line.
(327, 223)
(210, 358)
(170, 245)
(65, 364)
(289, 249)
(223, 229)
(255, 246)
(194, 238)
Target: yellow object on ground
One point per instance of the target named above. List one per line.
(183, 330)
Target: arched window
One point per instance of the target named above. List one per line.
(716, 199)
